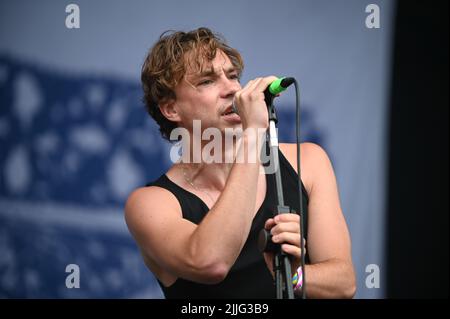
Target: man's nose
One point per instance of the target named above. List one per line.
(230, 87)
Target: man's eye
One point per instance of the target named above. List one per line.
(234, 76)
(205, 82)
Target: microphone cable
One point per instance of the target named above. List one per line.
(302, 218)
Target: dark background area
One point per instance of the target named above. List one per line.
(417, 245)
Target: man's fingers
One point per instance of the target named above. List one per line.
(287, 218)
(290, 238)
(258, 85)
(264, 83)
(269, 224)
(291, 250)
(290, 227)
(251, 85)
(246, 90)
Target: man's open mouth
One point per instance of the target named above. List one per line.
(229, 110)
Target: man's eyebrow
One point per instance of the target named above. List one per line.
(212, 72)
(208, 72)
(230, 69)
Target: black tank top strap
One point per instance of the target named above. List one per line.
(192, 207)
(290, 170)
(290, 183)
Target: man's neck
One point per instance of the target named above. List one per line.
(208, 165)
(209, 176)
(210, 168)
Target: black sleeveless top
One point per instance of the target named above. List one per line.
(249, 276)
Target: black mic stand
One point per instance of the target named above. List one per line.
(281, 262)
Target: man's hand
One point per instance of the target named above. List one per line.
(285, 230)
(251, 104)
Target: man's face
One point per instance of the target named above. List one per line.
(208, 95)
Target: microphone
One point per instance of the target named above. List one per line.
(274, 88)
(278, 86)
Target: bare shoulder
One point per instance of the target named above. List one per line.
(314, 161)
(148, 200)
(310, 153)
(309, 150)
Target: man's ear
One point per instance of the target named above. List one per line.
(169, 110)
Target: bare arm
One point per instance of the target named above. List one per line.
(202, 253)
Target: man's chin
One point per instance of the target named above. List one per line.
(231, 128)
(231, 118)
